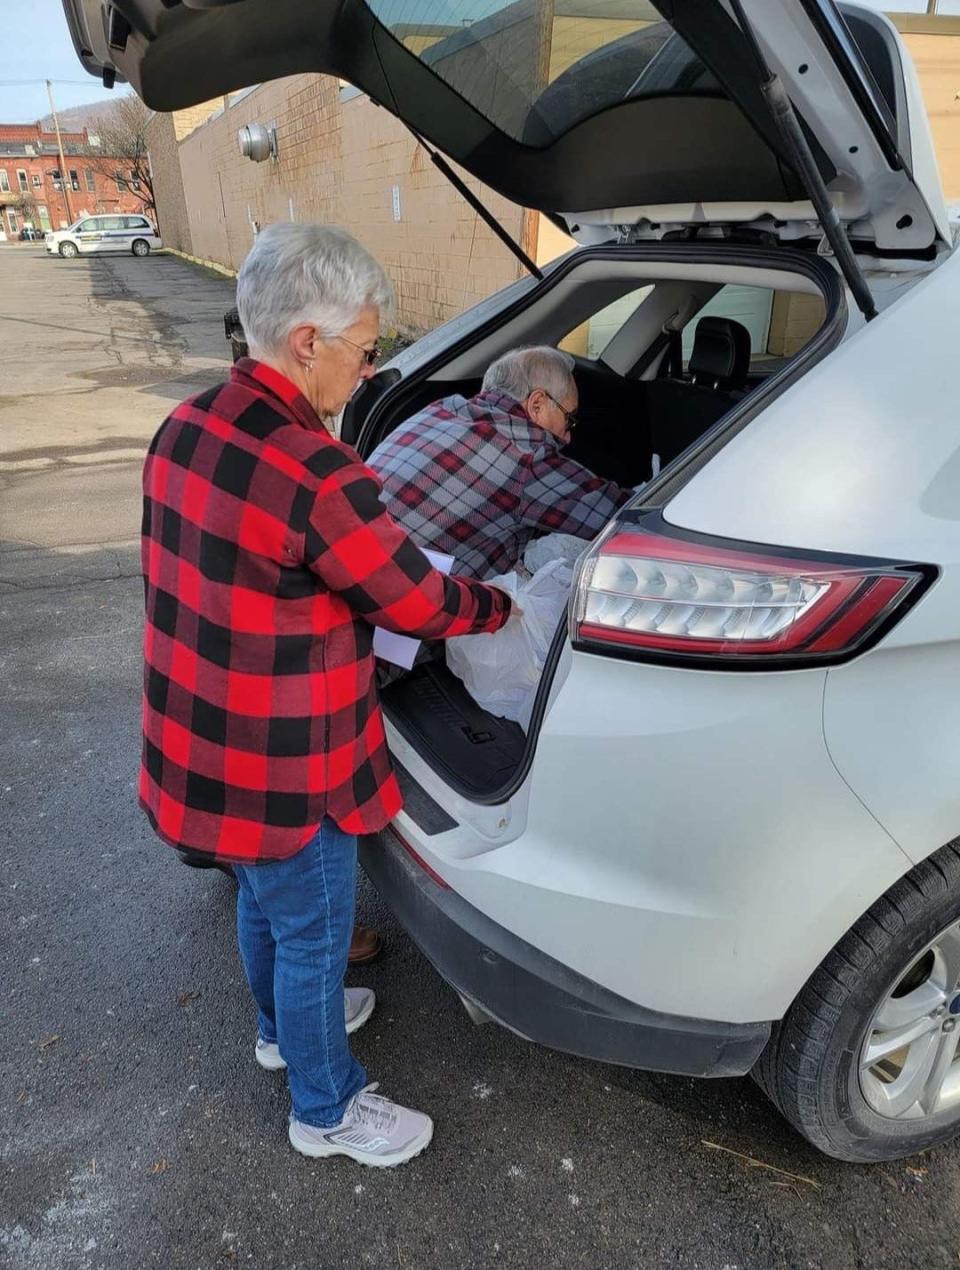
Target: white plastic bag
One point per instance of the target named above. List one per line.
(502, 671)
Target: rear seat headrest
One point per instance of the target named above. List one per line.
(721, 353)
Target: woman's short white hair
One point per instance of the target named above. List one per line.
(522, 370)
(296, 274)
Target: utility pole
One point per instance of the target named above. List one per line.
(63, 162)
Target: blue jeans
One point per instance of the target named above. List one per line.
(294, 921)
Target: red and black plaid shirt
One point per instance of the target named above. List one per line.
(267, 561)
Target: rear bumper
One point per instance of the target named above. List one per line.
(536, 996)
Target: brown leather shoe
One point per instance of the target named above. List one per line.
(365, 946)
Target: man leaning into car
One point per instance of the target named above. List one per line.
(477, 478)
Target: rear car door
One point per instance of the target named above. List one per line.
(116, 237)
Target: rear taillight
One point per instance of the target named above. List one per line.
(650, 590)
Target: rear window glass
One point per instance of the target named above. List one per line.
(779, 322)
(535, 68)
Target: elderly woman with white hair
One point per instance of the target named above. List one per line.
(268, 559)
(477, 478)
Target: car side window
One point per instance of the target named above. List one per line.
(88, 226)
(111, 222)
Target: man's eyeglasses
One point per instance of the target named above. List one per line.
(370, 355)
(569, 416)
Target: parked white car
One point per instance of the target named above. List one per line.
(93, 235)
(728, 841)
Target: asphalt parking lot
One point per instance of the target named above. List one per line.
(136, 1130)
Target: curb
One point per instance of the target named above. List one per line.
(198, 260)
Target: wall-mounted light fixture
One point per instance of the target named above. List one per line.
(257, 142)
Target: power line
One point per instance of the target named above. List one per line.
(24, 83)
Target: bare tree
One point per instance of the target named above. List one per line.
(27, 208)
(122, 129)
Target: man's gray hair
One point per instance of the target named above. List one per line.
(520, 371)
(298, 273)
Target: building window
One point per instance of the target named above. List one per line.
(14, 223)
(37, 180)
(44, 217)
(4, 181)
(134, 183)
(22, 180)
(121, 183)
(55, 174)
(90, 180)
(74, 179)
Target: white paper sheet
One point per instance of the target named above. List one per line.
(402, 649)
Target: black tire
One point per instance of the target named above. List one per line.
(69, 250)
(810, 1067)
(140, 247)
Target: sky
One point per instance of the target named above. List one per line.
(35, 45)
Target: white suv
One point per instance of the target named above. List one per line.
(93, 235)
(727, 841)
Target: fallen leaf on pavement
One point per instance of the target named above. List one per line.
(47, 1042)
(161, 1166)
(185, 997)
(917, 1173)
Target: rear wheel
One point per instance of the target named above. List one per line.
(865, 1063)
(68, 250)
(140, 247)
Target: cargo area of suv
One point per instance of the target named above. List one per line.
(672, 342)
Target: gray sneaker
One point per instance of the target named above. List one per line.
(358, 1005)
(373, 1131)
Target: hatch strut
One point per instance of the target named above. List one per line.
(440, 162)
(785, 117)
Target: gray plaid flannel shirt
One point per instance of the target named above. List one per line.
(477, 479)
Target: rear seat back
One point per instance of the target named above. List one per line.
(680, 410)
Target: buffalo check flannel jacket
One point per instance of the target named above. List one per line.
(476, 479)
(267, 561)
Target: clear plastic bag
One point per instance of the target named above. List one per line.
(502, 671)
(553, 547)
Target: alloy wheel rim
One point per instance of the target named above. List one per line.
(908, 1064)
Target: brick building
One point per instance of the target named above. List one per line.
(340, 159)
(33, 192)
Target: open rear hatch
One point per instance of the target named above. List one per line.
(607, 114)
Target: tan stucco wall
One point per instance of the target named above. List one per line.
(338, 161)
